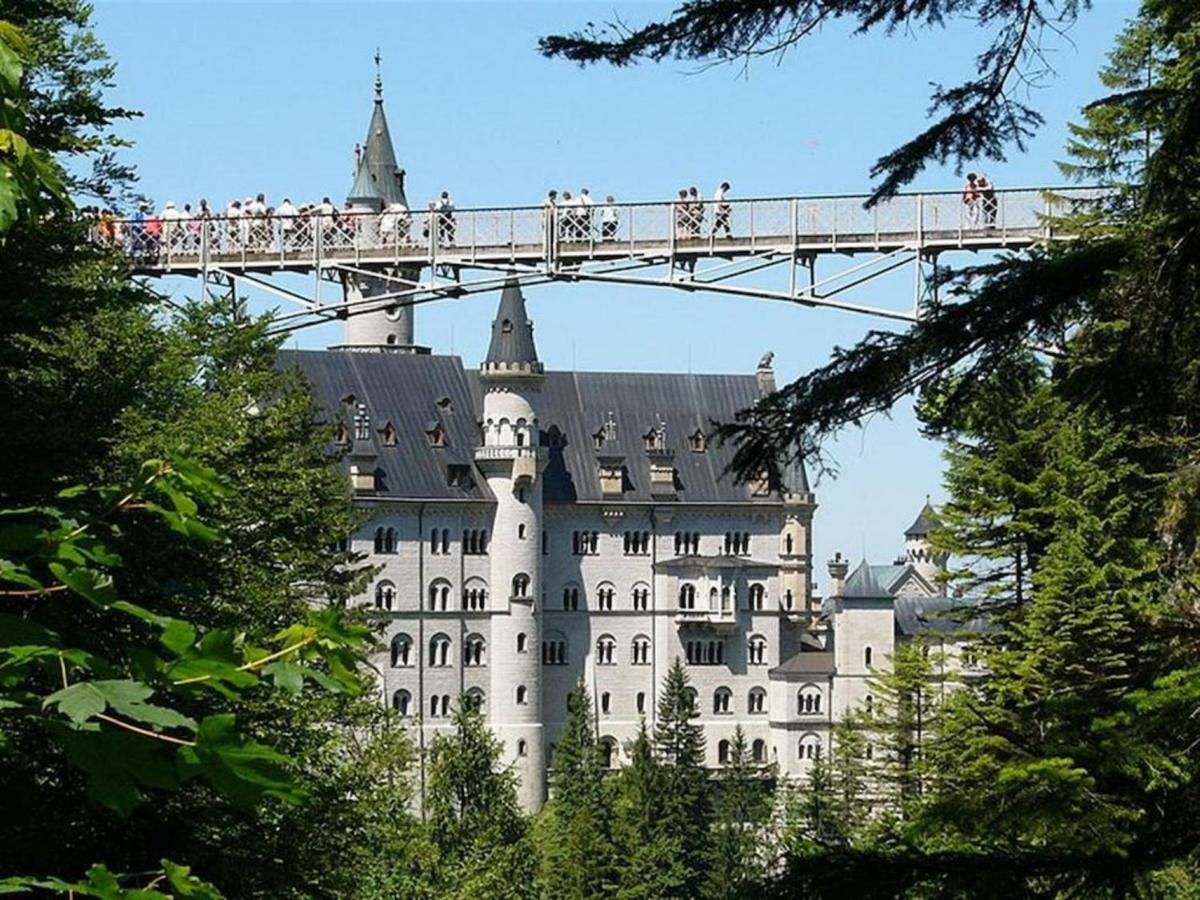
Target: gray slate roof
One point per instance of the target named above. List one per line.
(926, 521)
(378, 181)
(404, 389)
(862, 585)
(512, 330)
(804, 663)
(938, 615)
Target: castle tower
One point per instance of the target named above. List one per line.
(512, 461)
(918, 552)
(378, 183)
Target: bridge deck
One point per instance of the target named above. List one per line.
(576, 234)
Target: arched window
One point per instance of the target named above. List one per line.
(722, 701)
(474, 595)
(867, 657)
(714, 599)
(520, 586)
(692, 700)
(554, 649)
(521, 531)
(788, 544)
(758, 596)
(439, 706)
(475, 699)
(608, 752)
(640, 655)
(385, 595)
(522, 642)
(756, 650)
(435, 542)
(445, 540)
(756, 700)
(439, 651)
(475, 651)
(571, 597)
(758, 751)
(606, 650)
(402, 655)
(809, 700)
(641, 702)
(605, 703)
(522, 748)
(723, 753)
(604, 596)
(687, 596)
(869, 704)
(402, 702)
(726, 598)
(787, 599)
(810, 747)
(439, 595)
(378, 540)
(641, 596)
(522, 695)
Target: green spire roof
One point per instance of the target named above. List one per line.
(512, 332)
(927, 520)
(379, 180)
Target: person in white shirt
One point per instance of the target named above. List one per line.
(723, 211)
(171, 232)
(608, 219)
(286, 213)
(585, 213)
(233, 219)
(446, 224)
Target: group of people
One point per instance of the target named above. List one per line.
(979, 198)
(580, 218)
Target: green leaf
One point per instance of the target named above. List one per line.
(185, 884)
(118, 764)
(85, 700)
(288, 676)
(177, 635)
(86, 582)
(242, 769)
(78, 702)
(10, 67)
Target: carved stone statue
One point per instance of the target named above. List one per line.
(767, 359)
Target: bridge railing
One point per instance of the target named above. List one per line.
(492, 234)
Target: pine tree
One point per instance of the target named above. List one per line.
(651, 854)
(734, 864)
(687, 802)
(474, 820)
(575, 829)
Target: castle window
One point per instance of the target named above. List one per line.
(757, 650)
(687, 543)
(445, 541)
(475, 652)
(641, 651)
(705, 653)
(522, 695)
(545, 543)
(522, 643)
(522, 748)
(402, 702)
(474, 595)
(606, 650)
(520, 586)
(439, 651)
(723, 753)
(341, 436)
(521, 531)
(757, 596)
(809, 700)
(722, 701)
(641, 702)
(655, 439)
(554, 650)
(439, 595)
(389, 436)
(698, 441)
(637, 543)
(571, 597)
(867, 657)
(474, 542)
(439, 706)
(386, 540)
(401, 651)
(869, 703)
(436, 435)
(641, 596)
(385, 595)
(726, 599)
(788, 543)
(810, 747)
(520, 492)
(506, 326)
(756, 700)
(687, 596)
(585, 543)
(737, 543)
(608, 753)
(758, 751)
(605, 703)
(604, 596)
(787, 599)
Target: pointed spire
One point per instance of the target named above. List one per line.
(378, 178)
(512, 348)
(927, 520)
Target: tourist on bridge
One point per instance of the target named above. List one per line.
(568, 218)
(171, 232)
(585, 214)
(722, 212)
(549, 216)
(608, 219)
(257, 228)
(682, 216)
(446, 224)
(191, 227)
(288, 217)
(326, 219)
(696, 207)
(987, 200)
(971, 200)
(394, 224)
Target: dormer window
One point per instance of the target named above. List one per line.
(388, 435)
(349, 400)
(444, 404)
(459, 476)
(506, 326)
(598, 439)
(342, 437)
(698, 441)
(654, 439)
(436, 435)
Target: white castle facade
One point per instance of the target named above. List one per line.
(537, 528)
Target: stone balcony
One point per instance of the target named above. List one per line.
(710, 619)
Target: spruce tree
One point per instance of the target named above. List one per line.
(735, 864)
(574, 830)
(679, 741)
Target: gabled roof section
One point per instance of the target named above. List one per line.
(862, 585)
(794, 476)
(512, 346)
(378, 179)
(927, 520)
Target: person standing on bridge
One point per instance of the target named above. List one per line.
(446, 223)
(970, 199)
(585, 214)
(696, 207)
(549, 216)
(722, 211)
(608, 219)
(286, 213)
(987, 201)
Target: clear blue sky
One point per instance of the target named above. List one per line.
(246, 97)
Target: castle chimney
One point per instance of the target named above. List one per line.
(765, 374)
(839, 568)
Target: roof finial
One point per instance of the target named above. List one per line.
(378, 77)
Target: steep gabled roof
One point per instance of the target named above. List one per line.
(378, 180)
(927, 520)
(862, 585)
(512, 331)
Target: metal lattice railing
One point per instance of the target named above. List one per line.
(537, 234)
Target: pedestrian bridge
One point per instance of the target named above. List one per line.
(695, 246)
(531, 235)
